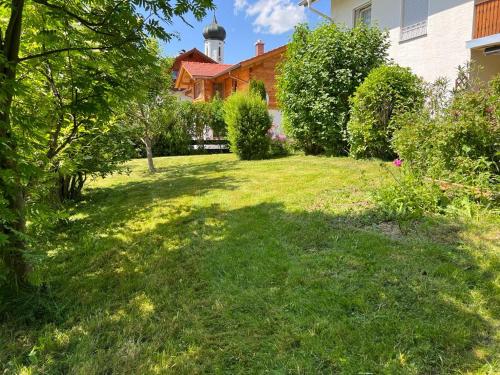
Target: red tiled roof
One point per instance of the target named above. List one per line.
(253, 59)
(197, 69)
(191, 55)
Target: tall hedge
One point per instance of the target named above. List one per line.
(388, 90)
(248, 123)
(321, 70)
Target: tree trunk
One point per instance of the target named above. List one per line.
(69, 188)
(149, 153)
(12, 189)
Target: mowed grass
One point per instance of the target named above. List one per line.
(284, 266)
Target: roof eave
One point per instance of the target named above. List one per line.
(228, 70)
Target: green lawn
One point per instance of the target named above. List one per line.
(282, 266)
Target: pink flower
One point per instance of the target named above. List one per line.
(398, 162)
(281, 138)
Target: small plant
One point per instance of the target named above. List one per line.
(278, 146)
(408, 196)
(388, 90)
(248, 124)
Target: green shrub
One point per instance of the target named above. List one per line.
(387, 91)
(461, 145)
(217, 123)
(409, 197)
(450, 155)
(248, 124)
(259, 88)
(321, 70)
(191, 121)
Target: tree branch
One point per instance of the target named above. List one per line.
(67, 49)
(80, 19)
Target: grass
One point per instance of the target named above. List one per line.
(282, 266)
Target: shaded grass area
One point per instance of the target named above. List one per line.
(280, 266)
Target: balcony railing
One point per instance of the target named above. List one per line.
(487, 18)
(413, 31)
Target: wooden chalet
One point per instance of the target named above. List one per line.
(200, 81)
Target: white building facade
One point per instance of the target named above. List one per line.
(432, 37)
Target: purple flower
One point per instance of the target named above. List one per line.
(398, 162)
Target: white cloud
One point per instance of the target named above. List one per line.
(272, 16)
(239, 5)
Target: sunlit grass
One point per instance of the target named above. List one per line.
(282, 266)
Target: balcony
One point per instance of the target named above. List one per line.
(486, 33)
(487, 18)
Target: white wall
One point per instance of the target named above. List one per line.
(277, 128)
(438, 54)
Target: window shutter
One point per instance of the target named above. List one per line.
(415, 11)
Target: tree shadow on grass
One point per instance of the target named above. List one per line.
(112, 207)
(192, 169)
(260, 289)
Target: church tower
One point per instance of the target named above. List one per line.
(214, 35)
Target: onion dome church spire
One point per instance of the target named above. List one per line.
(214, 35)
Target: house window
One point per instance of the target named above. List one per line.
(363, 14)
(414, 19)
(219, 90)
(235, 85)
(197, 89)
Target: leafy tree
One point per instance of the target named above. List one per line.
(77, 93)
(321, 70)
(151, 106)
(104, 26)
(388, 91)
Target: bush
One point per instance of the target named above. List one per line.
(217, 123)
(321, 70)
(450, 155)
(259, 88)
(191, 122)
(459, 146)
(388, 90)
(248, 123)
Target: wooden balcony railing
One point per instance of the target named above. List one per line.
(487, 18)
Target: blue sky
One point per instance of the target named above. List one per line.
(245, 22)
